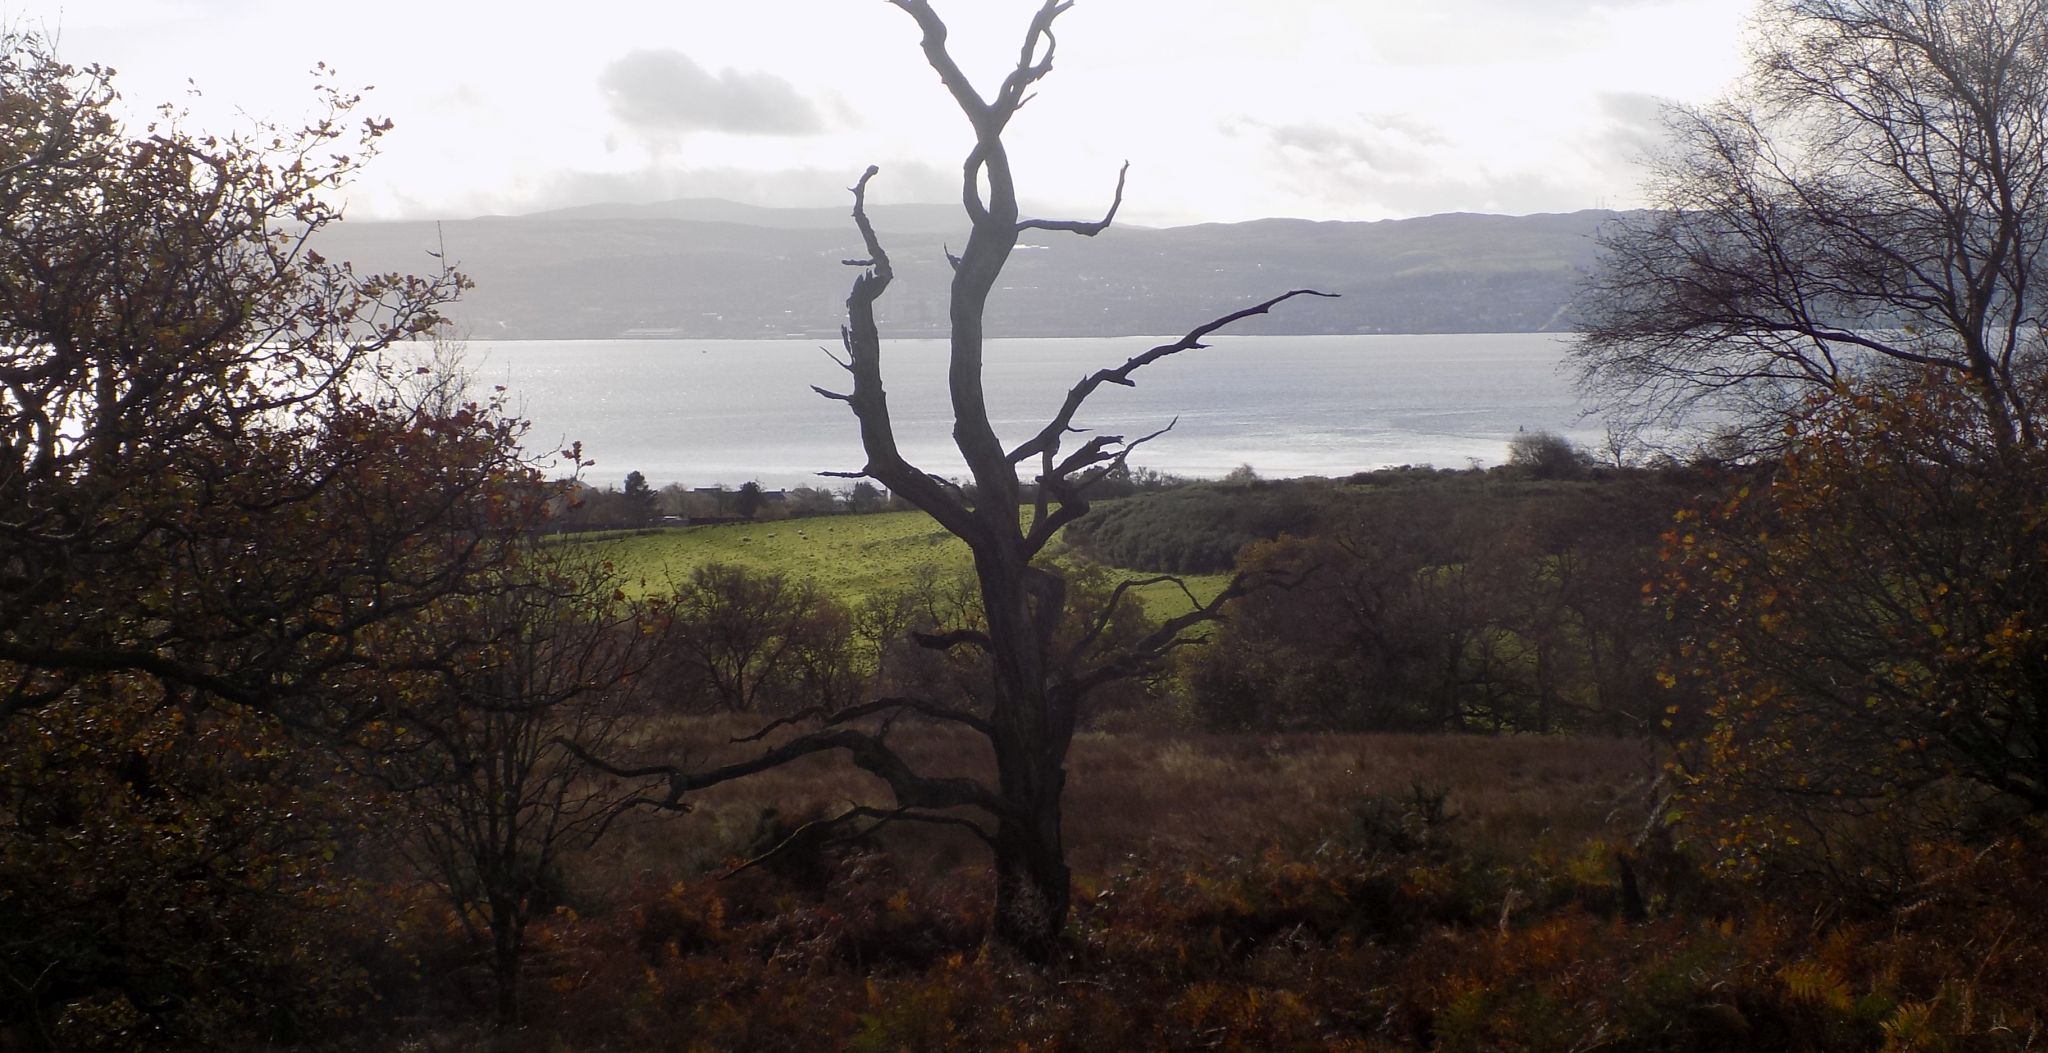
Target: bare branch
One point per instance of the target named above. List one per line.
(950, 73)
(1048, 437)
(819, 829)
(1094, 451)
(1143, 439)
(949, 640)
(1085, 229)
(869, 401)
(868, 753)
(1072, 494)
(830, 717)
(877, 260)
(1146, 654)
(1116, 598)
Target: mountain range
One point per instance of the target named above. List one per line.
(704, 268)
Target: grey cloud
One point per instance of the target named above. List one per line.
(1394, 165)
(666, 92)
(1385, 144)
(1634, 125)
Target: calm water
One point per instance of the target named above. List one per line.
(704, 412)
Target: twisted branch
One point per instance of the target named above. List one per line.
(1048, 437)
(868, 400)
(868, 753)
(830, 717)
(820, 828)
(1085, 229)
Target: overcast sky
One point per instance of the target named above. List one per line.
(1227, 110)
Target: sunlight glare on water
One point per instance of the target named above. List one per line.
(708, 412)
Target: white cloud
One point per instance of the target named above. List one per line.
(1343, 108)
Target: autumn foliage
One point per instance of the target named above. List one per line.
(1416, 893)
(309, 740)
(217, 505)
(1868, 625)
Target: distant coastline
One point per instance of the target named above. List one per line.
(658, 273)
(725, 412)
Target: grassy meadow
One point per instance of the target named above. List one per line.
(849, 557)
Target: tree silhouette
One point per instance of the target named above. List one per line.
(1038, 678)
(639, 500)
(750, 500)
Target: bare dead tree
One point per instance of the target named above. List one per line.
(1037, 684)
(1877, 198)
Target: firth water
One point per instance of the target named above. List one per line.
(709, 412)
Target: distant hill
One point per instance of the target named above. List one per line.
(899, 218)
(708, 268)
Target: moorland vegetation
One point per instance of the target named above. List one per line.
(315, 737)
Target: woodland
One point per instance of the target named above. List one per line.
(321, 734)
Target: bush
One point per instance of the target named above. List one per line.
(1548, 455)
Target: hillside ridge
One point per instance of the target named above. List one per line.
(704, 268)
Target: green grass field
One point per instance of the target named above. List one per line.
(850, 557)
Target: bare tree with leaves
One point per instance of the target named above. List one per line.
(1877, 197)
(1037, 677)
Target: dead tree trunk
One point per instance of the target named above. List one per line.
(1033, 715)
(1037, 687)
